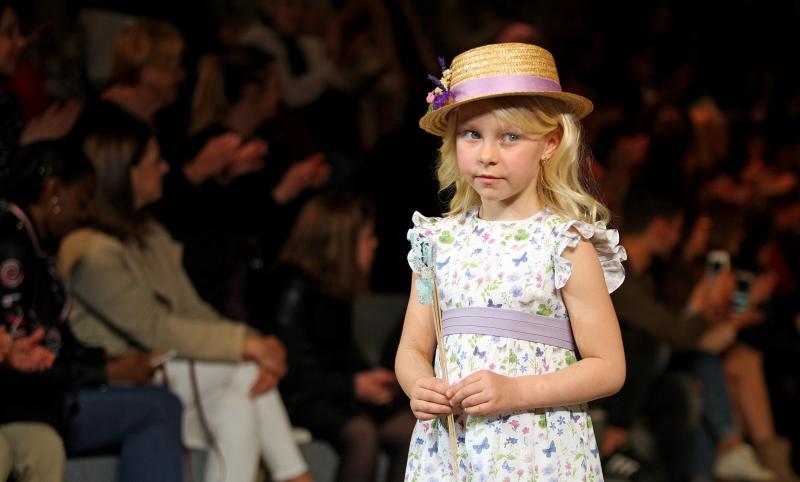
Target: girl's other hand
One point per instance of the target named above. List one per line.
(484, 393)
(429, 399)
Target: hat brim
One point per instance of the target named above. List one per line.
(435, 122)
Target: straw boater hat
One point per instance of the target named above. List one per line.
(497, 70)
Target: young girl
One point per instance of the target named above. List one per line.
(522, 264)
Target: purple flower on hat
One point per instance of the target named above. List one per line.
(441, 95)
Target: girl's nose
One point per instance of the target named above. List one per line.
(487, 154)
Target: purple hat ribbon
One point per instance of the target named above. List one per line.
(503, 84)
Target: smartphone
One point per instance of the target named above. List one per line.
(716, 261)
(740, 299)
(163, 358)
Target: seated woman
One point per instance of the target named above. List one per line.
(131, 290)
(330, 388)
(45, 198)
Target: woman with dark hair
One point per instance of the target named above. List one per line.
(330, 387)
(131, 291)
(48, 196)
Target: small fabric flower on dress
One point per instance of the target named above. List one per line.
(441, 95)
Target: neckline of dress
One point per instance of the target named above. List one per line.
(508, 222)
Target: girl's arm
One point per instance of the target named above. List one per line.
(599, 373)
(414, 360)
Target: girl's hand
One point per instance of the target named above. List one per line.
(429, 399)
(484, 393)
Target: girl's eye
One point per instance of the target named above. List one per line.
(469, 134)
(508, 137)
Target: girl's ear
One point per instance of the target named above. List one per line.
(552, 143)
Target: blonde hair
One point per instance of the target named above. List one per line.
(564, 183)
(148, 42)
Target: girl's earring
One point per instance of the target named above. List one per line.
(543, 160)
(55, 206)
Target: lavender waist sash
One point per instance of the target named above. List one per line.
(509, 324)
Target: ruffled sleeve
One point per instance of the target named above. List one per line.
(606, 243)
(422, 256)
(422, 238)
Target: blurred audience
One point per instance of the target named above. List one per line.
(301, 96)
(48, 196)
(131, 291)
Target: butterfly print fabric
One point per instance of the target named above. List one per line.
(509, 265)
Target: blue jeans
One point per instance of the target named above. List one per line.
(717, 419)
(144, 421)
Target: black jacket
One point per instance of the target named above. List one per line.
(32, 296)
(317, 330)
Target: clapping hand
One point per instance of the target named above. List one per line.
(312, 171)
(247, 159)
(26, 354)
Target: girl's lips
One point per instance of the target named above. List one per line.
(487, 179)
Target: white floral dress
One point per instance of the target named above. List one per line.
(512, 265)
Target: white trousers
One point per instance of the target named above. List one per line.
(244, 427)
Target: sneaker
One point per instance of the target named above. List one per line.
(741, 463)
